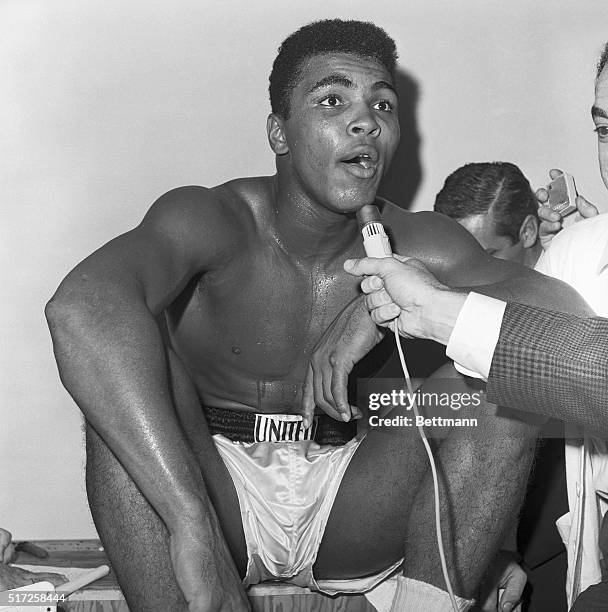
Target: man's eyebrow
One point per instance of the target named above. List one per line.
(596, 111)
(332, 79)
(384, 85)
(341, 79)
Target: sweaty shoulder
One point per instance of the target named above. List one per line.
(205, 224)
(438, 241)
(458, 260)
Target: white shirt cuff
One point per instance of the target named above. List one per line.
(475, 335)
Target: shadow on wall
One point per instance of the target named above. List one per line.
(401, 182)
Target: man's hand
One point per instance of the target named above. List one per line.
(7, 548)
(552, 222)
(206, 575)
(14, 577)
(348, 339)
(402, 289)
(504, 573)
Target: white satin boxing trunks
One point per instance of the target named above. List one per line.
(286, 484)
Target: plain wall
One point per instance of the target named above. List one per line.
(106, 105)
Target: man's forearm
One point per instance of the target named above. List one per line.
(111, 360)
(535, 289)
(557, 363)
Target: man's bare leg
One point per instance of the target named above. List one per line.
(386, 499)
(134, 536)
(482, 486)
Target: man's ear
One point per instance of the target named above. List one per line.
(275, 128)
(528, 231)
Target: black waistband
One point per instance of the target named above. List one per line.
(240, 426)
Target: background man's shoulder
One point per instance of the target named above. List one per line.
(583, 234)
(578, 254)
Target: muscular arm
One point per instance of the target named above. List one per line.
(111, 356)
(458, 260)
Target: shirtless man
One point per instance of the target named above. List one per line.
(249, 277)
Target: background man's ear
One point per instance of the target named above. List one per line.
(528, 231)
(276, 134)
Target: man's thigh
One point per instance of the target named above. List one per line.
(384, 509)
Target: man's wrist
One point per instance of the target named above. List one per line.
(442, 313)
(476, 334)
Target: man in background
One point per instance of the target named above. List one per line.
(495, 203)
(579, 256)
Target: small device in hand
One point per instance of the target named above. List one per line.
(375, 240)
(562, 194)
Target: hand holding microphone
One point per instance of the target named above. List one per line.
(402, 289)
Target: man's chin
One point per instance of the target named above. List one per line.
(352, 199)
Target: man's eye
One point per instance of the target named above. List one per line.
(383, 105)
(602, 132)
(332, 101)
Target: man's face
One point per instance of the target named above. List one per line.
(342, 130)
(599, 112)
(502, 247)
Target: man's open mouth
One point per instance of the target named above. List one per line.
(362, 165)
(363, 160)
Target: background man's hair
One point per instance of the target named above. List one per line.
(327, 36)
(481, 188)
(602, 62)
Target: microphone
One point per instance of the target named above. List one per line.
(375, 240)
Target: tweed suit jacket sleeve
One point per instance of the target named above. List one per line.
(554, 363)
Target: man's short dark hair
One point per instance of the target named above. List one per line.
(481, 188)
(360, 38)
(603, 61)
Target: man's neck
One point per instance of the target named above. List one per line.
(532, 254)
(308, 231)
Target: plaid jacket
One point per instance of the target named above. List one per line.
(554, 361)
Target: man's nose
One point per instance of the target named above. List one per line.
(364, 123)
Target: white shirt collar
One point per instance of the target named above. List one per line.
(603, 262)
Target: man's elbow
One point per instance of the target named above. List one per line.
(65, 315)
(54, 313)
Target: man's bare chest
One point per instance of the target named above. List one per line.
(261, 317)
